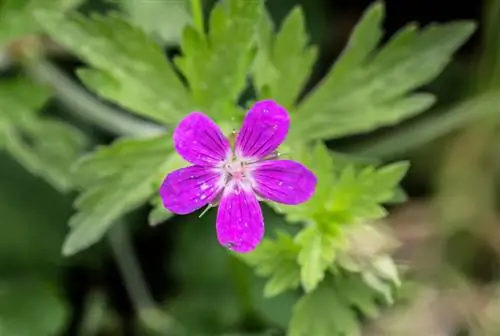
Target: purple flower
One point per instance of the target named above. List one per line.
(236, 178)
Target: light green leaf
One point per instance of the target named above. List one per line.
(16, 16)
(159, 214)
(369, 88)
(276, 259)
(386, 269)
(116, 180)
(320, 161)
(29, 307)
(284, 63)
(45, 147)
(126, 67)
(316, 255)
(216, 66)
(358, 194)
(329, 309)
(162, 19)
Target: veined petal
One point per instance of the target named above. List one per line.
(283, 181)
(188, 189)
(240, 224)
(264, 129)
(200, 141)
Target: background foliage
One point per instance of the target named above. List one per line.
(89, 94)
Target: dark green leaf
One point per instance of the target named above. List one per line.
(29, 308)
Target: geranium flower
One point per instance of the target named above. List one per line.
(236, 178)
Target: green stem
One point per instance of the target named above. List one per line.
(197, 11)
(150, 315)
(86, 106)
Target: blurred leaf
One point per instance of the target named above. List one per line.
(489, 64)
(16, 16)
(164, 19)
(369, 88)
(30, 209)
(276, 259)
(44, 147)
(329, 309)
(193, 307)
(421, 131)
(216, 66)
(126, 67)
(116, 180)
(159, 214)
(284, 62)
(30, 308)
(95, 314)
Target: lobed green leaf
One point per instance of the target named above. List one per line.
(126, 67)
(276, 259)
(330, 308)
(369, 88)
(116, 180)
(285, 61)
(216, 65)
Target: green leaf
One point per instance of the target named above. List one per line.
(45, 147)
(216, 66)
(116, 180)
(126, 66)
(16, 16)
(276, 259)
(329, 309)
(162, 19)
(316, 255)
(159, 214)
(320, 161)
(284, 63)
(29, 307)
(369, 88)
(358, 194)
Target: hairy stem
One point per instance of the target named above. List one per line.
(86, 106)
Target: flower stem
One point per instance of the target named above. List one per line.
(197, 11)
(150, 315)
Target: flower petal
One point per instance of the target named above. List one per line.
(188, 189)
(283, 181)
(200, 141)
(240, 224)
(264, 129)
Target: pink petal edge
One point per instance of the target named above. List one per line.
(265, 127)
(200, 141)
(240, 223)
(283, 181)
(188, 189)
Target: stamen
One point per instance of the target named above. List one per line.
(232, 138)
(205, 210)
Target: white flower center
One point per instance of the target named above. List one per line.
(236, 169)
